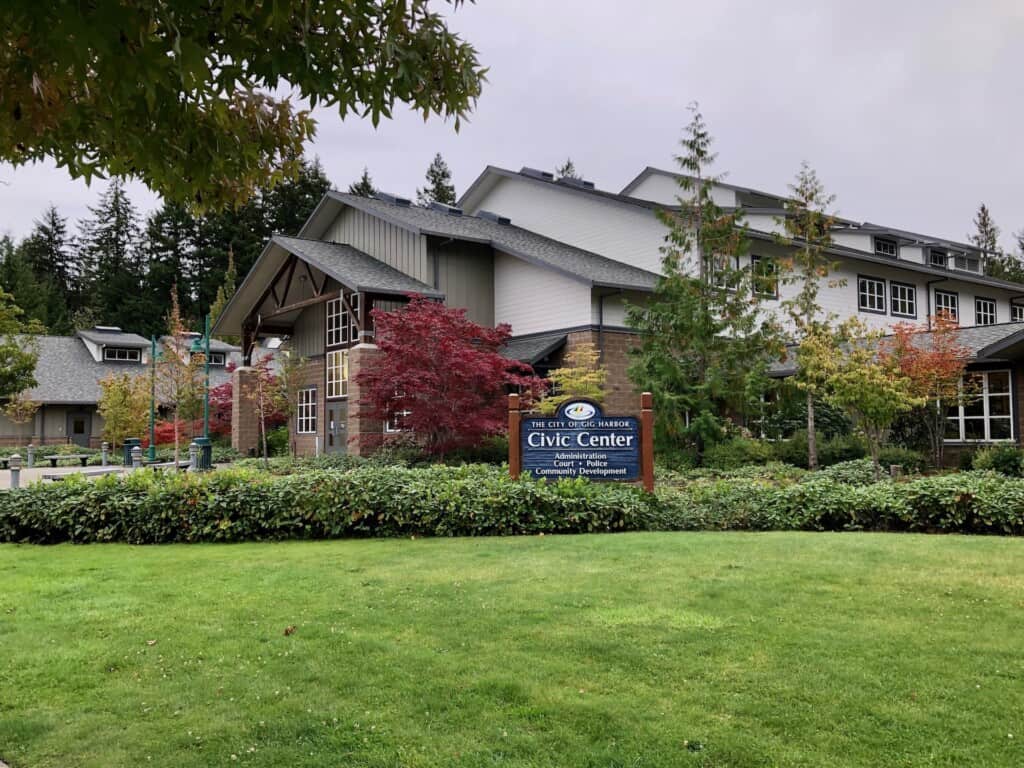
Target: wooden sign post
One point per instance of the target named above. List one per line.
(580, 441)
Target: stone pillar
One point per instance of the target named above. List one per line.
(365, 434)
(245, 422)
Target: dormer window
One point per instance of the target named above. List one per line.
(122, 355)
(216, 358)
(967, 262)
(887, 247)
(937, 258)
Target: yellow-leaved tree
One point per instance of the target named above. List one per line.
(124, 406)
(581, 376)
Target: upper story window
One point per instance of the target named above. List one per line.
(1017, 313)
(967, 262)
(337, 373)
(984, 311)
(766, 276)
(871, 294)
(904, 299)
(305, 414)
(948, 303)
(342, 325)
(723, 270)
(885, 246)
(217, 358)
(938, 258)
(120, 354)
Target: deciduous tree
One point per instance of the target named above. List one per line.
(179, 373)
(198, 120)
(444, 374)
(124, 406)
(581, 375)
(934, 363)
(704, 347)
(19, 350)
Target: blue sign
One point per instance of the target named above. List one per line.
(579, 441)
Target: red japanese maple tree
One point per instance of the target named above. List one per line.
(440, 377)
(935, 363)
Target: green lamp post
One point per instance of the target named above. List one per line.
(202, 346)
(151, 452)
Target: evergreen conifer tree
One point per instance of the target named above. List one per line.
(567, 170)
(439, 184)
(364, 187)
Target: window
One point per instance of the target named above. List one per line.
(337, 323)
(886, 247)
(871, 294)
(353, 333)
(337, 373)
(968, 263)
(723, 270)
(984, 311)
(985, 415)
(947, 303)
(122, 355)
(937, 258)
(398, 415)
(903, 298)
(216, 358)
(1017, 313)
(305, 417)
(766, 276)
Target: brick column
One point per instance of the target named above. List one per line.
(245, 423)
(365, 434)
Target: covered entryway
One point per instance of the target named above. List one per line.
(79, 427)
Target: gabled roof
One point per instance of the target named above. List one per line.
(586, 266)
(354, 269)
(650, 170)
(532, 349)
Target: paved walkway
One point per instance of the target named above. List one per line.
(36, 473)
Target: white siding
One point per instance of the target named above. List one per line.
(624, 232)
(615, 307)
(764, 222)
(858, 240)
(665, 189)
(533, 299)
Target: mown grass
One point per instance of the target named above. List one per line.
(721, 650)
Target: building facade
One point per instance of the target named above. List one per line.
(559, 261)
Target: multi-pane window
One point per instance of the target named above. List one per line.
(1017, 313)
(353, 332)
(121, 355)
(337, 373)
(337, 323)
(903, 298)
(886, 247)
(305, 413)
(969, 263)
(985, 415)
(947, 303)
(217, 358)
(398, 415)
(766, 276)
(723, 270)
(937, 258)
(871, 294)
(984, 311)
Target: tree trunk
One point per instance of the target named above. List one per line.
(176, 453)
(938, 436)
(812, 437)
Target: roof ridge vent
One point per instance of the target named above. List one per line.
(387, 197)
(451, 210)
(536, 173)
(574, 182)
(492, 216)
(107, 329)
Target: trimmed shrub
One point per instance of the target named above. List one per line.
(738, 452)
(1004, 459)
(831, 451)
(856, 472)
(913, 462)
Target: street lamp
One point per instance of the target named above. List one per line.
(202, 346)
(152, 399)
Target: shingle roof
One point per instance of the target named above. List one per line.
(532, 349)
(353, 268)
(67, 373)
(584, 265)
(114, 338)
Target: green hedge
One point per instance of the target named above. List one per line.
(478, 500)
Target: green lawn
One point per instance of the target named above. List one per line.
(612, 650)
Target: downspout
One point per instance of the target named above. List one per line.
(928, 297)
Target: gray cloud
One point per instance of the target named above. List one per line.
(910, 111)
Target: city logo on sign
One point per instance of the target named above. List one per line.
(579, 411)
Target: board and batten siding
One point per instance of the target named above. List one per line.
(308, 333)
(621, 231)
(664, 189)
(395, 246)
(466, 276)
(532, 299)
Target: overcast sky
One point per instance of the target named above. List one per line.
(912, 112)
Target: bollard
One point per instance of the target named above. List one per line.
(15, 462)
(104, 450)
(193, 457)
(31, 456)
(136, 456)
